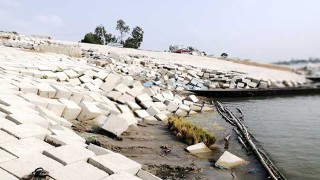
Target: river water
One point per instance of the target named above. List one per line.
(288, 129)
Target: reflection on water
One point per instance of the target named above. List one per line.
(287, 127)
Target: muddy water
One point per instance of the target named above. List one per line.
(288, 128)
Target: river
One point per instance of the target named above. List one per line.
(288, 128)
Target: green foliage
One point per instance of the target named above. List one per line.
(90, 38)
(136, 38)
(190, 133)
(123, 29)
(100, 36)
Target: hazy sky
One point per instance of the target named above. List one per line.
(263, 30)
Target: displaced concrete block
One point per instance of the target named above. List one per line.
(71, 111)
(115, 125)
(146, 175)
(184, 107)
(27, 88)
(55, 106)
(5, 137)
(61, 92)
(92, 87)
(74, 82)
(35, 99)
(17, 109)
(129, 117)
(5, 122)
(99, 150)
(193, 98)
(147, 104)
(196, 107)
(29, 119)
(181, 113)
(101, 75)
(69, 154)
(158, 98)
(78, 171)
(149, 91)
(114, 95)
(142, 113)
(160, 106)
(24, 166)
(27, 130)
(114, 163)
(52, 116)
(152, 111)
(167, 95)
(121, 175)
(89, 111)
(198, 148)
(161, 117)
(45, 90)
(134, 92)
(76, 97)
(124, 108)
(171, 106)
(111, 82)
(121, 88)
(7, 176)
(133, 106)
(26, 146)
(85, 78)
(71, 73)
(14, 100)
(61, 76)
(126, 98)
(143, 97)
(228, 160)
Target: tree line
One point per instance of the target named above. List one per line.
(101, 36)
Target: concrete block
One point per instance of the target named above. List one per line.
(129, 117)
(69, 154)
(167, 95)
(161, 117)
(124, 108)
(74, 82)
(26, 87)
(85, 78)
(111, 108)
(71, 111)
(181, 113)
(152, 111)
(196, 107)
(198, 148)
(121, 88)
(134, 92)
(61, 76)
(26, 146)
(101, 75)
(97, 82)
(143, 97)
(24, 166)
(142, 113)
(193, 98)
(111, 82)
(14, 100)
(89, 111)
(52, 116)
(76, 97)
(92, 87)
(55, 106)
(114, 95)
(147, 104)
(171, 106)
(7, 176)
(228, 160)
(71, 73)
(78, 171)
(160, 106)
(5, 137)
(35, 99)
(146, 175)
(27, 130)
(133, 105)
(2, 114)
(114, 163)
(149, 91)
(158, 98)
(29, 119)
(115, 125)
(17, 109)
(97, 150)
(61, 92)
(121, 175)
(5, 122)
(184, 107)
(45, 90)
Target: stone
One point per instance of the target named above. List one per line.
(25, 165)
(142, 113)
(114, 163)
(161, 117)
(89, 111)
(29, 119)
(111, 82)
(133, 105)
(71, 111)
(143, 97)
(26, 146)
(115, 125)
(152, 111)
(98, 150)
(68, 154)
(121, 88)
(146, 175)
(121, 175)
(27, 130)
(5, 122)
(7, 176)
(78, 171)
(114, 95)
(193, 98)
(45, 90)
(61, 92)
(228, 160)
(55, 106)
(198, 148)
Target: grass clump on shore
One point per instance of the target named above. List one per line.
(190, 133)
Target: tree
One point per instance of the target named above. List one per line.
(90, 38)
(136, 38)
(173, 48)
(121, 26)
(100, 33)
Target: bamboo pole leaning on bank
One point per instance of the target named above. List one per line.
(244, 137)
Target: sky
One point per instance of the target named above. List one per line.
(260, 30)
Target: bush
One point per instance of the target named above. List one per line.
(190, 133)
